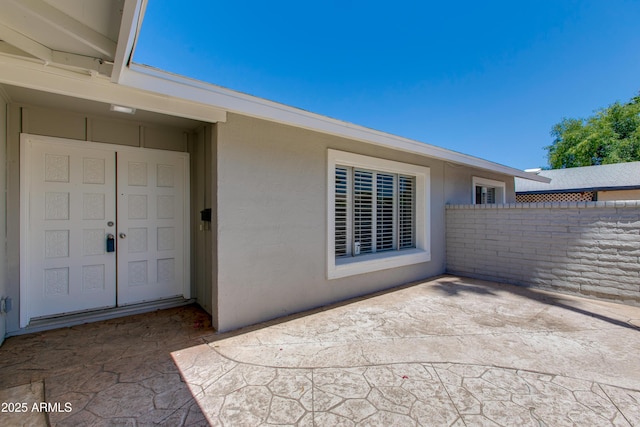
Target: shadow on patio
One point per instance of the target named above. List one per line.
(456, 288)
(114, 372)
(447, 351)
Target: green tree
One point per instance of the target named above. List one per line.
(611, 135)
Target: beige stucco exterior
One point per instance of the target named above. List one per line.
(264, 254)
(260, 166)
(272, 220)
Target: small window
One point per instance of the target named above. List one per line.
(378, 216)
(488, 191)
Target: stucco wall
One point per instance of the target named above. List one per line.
(272, 219)
(586, 248)
(203, 259)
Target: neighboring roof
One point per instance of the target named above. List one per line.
(619, 176)
(95, 64)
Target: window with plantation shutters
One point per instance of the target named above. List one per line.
(374, 212)
(378, 214)
(487, 191)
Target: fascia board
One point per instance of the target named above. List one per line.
(132, 14)
(34, 75)
(154, 80)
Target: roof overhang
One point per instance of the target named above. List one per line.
(33, 75)
(30, 63)
(132, 15)
(154, 80)
(59, 32)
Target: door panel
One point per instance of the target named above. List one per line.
(151, 225)
(71, 194)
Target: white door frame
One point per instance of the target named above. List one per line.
(25, 182)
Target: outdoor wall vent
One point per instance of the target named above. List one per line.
(123, 109)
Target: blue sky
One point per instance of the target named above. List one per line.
(488, 79)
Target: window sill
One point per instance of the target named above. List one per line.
(350, 266)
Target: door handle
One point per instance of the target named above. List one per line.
(111, 243)
(122, 235)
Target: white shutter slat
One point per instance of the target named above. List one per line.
(406, 212)
(385, 212)
(363, 210)
(341, 211)
(491, 195)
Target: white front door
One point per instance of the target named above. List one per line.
(71, 202)
(75, 196)
(151, 236)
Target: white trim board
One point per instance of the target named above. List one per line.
(132, 14)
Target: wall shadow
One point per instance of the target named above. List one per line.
(458, 287)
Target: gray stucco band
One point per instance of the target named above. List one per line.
(586, 248)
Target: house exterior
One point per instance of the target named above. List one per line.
(620, 181)
(250, 208)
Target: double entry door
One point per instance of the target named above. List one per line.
(101, 226)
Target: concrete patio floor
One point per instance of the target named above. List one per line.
(446, 352)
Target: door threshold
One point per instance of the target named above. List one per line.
(45, 324)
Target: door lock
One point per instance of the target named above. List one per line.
(111, 243)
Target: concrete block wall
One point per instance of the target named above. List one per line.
(585, 248)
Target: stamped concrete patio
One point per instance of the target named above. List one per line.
(446, 352)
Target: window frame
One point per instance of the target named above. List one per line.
(349, 266)
(489, 183)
